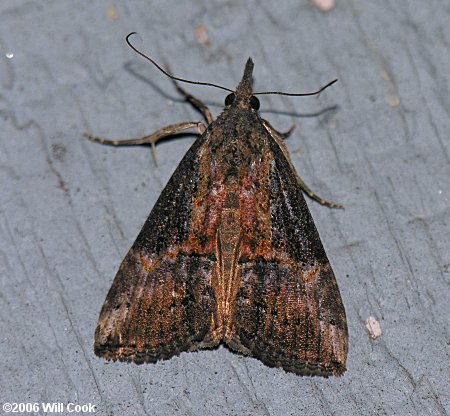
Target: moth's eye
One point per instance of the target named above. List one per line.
(230, 99)
(254, 102)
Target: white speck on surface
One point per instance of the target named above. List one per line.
(9, 55)
(373, 327)
(324, 5)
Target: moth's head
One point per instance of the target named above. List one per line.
(243, 97)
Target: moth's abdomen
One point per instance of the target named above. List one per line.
(228, 240)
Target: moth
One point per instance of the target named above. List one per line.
(229, 254)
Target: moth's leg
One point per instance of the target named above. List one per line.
(195, 102)
(276, 136)
(287, 133)
(152, 138)
(314, 196)
(281, 134)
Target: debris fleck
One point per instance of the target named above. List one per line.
(111, 14)
(324, 5)
(373, 327)
(202, 36)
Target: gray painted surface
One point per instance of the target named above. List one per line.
(70, 209)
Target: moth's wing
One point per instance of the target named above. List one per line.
(288, 310)
(161, 301)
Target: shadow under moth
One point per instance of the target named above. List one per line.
(229, 254)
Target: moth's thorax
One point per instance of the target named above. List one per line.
(235, 147)
(239, 114)
(238, 132)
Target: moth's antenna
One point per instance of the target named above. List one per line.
(304, 94)
(165, 72)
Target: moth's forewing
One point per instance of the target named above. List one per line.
(161, 301)
(288, 310)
